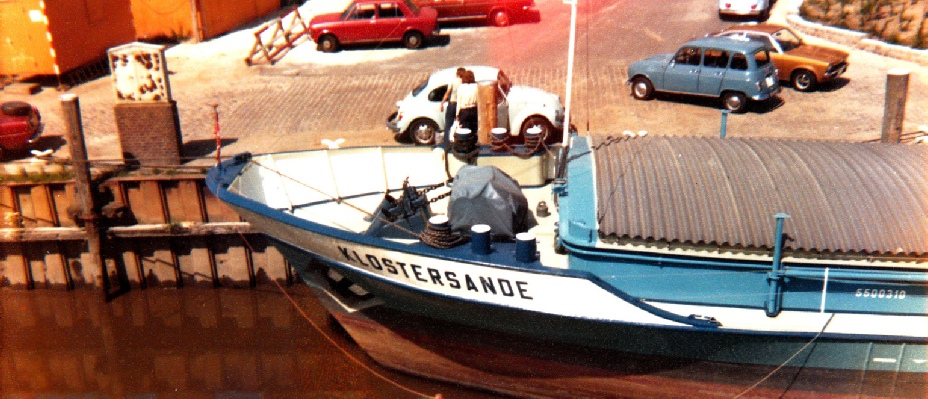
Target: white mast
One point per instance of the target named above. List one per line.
(570, 68)
(561, 169)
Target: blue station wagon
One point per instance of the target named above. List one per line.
(732, 69)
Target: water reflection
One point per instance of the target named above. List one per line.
(187, 343)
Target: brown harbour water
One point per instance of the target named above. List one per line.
(188, 343)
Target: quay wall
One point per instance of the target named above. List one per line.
(157, 231)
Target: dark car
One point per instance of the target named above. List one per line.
(375, 21)
(496, 12)
(20, 125)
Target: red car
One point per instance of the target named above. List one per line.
(20, 125)
(496, 12)
(375, 21)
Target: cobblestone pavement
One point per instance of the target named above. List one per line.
(294, 105)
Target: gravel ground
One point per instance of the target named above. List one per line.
(309, 96)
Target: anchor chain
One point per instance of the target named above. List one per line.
(427, 189)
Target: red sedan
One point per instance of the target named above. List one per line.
(20, 125)
(375, 21)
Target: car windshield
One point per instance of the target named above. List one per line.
(412, 6)
(420, 87)
(761, 57)
(787, 39)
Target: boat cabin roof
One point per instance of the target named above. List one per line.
(854, 198)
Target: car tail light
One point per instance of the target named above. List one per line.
(727, 5)
(754, 7)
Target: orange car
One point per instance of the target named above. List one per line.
(803, 65)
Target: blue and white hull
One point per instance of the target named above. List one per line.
(690, 301)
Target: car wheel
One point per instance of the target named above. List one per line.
(734, 101)
(500, 18)
(803, 80)
(413, 40)
(547, 130)
(16, 108)
(423, 131)
(642, 88)
(328, 44)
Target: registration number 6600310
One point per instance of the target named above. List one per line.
(877, 293)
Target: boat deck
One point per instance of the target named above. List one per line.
(344, 188)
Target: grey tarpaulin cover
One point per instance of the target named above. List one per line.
(487, 195)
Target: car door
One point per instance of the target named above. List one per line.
(388, 23)
(445, 8)
(738, 72)
(712, 73)
(433, 108)
(476, 8)
(682, 74)
(358, 24)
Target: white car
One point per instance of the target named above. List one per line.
(760, 8)
(420, 118)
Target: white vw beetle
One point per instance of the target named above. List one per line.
(421, 119)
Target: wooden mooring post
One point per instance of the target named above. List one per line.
(70, 107)
(897, 91)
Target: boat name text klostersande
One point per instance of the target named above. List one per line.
(431, 275)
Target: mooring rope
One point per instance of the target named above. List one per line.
(535, 142)
(336, 199)
(441, 237)
(770, 374)
(332, 340)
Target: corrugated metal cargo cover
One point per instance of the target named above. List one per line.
(860, 198)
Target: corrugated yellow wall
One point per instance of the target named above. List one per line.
(82, 30)
(172, 19)
(220, 16)
(53, 37)
(162, 19)
(24, 46)
(39, 35)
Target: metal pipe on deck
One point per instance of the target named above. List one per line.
(775, 277)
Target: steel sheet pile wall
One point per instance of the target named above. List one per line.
(55, 37)
(199, 20)
(160, 232)
(221, 16)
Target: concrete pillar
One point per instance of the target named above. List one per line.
(897, 90)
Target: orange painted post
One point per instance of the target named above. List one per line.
(486, 110)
